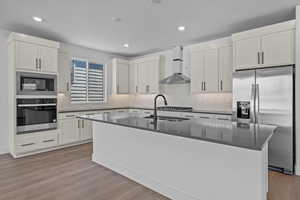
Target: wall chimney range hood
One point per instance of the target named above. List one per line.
(177, 77)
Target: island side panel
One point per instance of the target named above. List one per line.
(181, 168)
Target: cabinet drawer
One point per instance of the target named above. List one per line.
(35, 141)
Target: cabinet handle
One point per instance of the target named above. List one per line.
(258, 57)
(204, 86)
(118, 88)
(70, 115)
(45, 141)
(40, 63)
(78, 123)
(204, 117)
(82, 122)
(263, 57)
(28, 144)
(36, 63)
(68, 86)
(223, 119)
(136, 89)
(191, 116)
(221, 85)
(147, 88)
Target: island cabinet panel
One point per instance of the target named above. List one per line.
(69, 130)
(181, 168)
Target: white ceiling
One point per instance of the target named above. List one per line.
(147, 27)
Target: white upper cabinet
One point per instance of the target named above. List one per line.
(211, 66)
(197, 71)
(225, 69)
(35, 54)
(268, 46)
(26, 56)
(247, 52)
(64, 72)
(211, 70)
(278, 48)
(147, 70)
(48, 59)
(120, 76)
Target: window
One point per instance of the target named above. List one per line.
(87, 82)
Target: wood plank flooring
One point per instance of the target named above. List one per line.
(70, 174)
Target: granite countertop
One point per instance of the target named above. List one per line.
(249, 136)
(142, 108)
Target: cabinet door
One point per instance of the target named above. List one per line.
(86, 131)
(153, 76)
(133, 75)
(26, 56)
(142, 77)
(197, 71)
(69, 130)
(225, 69)
(48, 59)
(211, 70)
(122, 78)
(278, 49)
(246, 53)
(64, 72)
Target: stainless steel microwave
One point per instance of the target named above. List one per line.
(36, 84)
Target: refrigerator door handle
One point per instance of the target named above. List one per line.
(252, 103)
(257, 99)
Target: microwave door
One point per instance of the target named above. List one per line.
(243, 92)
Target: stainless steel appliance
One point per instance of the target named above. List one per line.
(36, 115)
(266, 96)
(36, 84)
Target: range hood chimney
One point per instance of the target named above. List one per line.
(177, 77)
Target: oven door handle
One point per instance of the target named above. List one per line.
(35, 105)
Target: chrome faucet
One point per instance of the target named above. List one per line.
(155, 107)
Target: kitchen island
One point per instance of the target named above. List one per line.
(185, 159)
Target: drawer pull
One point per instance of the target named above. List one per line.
(45, 141)
(223, 119)
(189, 116)
(204, 117)
(70, 115)
(28, 144)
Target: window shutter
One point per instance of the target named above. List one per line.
(79, 81)
(95, 83)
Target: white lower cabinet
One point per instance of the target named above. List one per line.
(36, 141)
(73, 129)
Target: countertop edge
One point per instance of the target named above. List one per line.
(163, 132)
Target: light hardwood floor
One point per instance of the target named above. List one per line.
(70, 174)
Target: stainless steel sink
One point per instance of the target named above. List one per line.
(168, 118)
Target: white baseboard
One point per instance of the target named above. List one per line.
(144, 180)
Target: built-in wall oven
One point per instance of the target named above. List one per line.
(36, 114)
(36, 84)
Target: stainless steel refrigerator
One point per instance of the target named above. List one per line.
(266, 96)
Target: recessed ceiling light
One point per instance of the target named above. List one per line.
(126, 45)
(37, 19)
(181, 28)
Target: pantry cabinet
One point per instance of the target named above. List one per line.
(35, 54)
(268, 46)
(211, 67)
